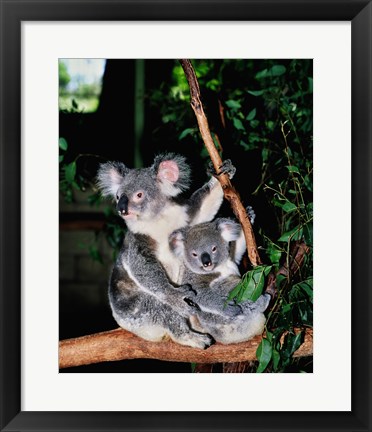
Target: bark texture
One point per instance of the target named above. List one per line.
(120, 344)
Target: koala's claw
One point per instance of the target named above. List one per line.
(210, 342)
(191, 303)
(226, 168)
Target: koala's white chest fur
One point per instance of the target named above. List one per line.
(171, 218)
(226, 269)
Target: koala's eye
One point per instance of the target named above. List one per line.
(138, 196)
(117, 197)
(214, 249)
(194, 254)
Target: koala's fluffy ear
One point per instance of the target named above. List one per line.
(109, 177)
(230, 230)
(172, 172)
(177, 241)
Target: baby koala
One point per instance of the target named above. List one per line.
(210, 253)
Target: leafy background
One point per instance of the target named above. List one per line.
(260, 115)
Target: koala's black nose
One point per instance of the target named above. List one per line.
(206, 259)
(122, 205)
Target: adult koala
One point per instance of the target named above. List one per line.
(144, 291)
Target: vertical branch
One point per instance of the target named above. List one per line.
(229, 191)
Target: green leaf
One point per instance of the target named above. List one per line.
(307, 287)
(75, 104)
(263, 353)
(251, 115)
(294, 234)
(270, 125)
(292, 343)
(273, 253)
(234, 292)
(262, 74)
(95, 254)
(238, 124)
(213, 84)
(276, 359)
(253, 282)
(70, 172)
(292, 168)
(75, 185)
(62, 144)
(277, 70)
(308, 233)
(310, 81)
(184, 133)
(308, 183)
(265, 154)
(280, 278)
(61, 158)
(233, 104)
(289, 207)
(256, 92)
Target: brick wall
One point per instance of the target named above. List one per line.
(83, 282)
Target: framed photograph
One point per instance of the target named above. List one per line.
(325, 47)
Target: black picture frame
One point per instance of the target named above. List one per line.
(12, 14)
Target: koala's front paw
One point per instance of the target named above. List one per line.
(186, 290)
(202, 341)
(251, 214)
(226, 168)
(232, 310)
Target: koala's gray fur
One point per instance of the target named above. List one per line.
(210, 253)
(144, 292)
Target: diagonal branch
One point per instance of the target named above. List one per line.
(230, 192)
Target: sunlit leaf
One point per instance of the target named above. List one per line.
(263, 354)
(253, 282)
(63, 144)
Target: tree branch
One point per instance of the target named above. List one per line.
(229, 191)
(120, 344)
